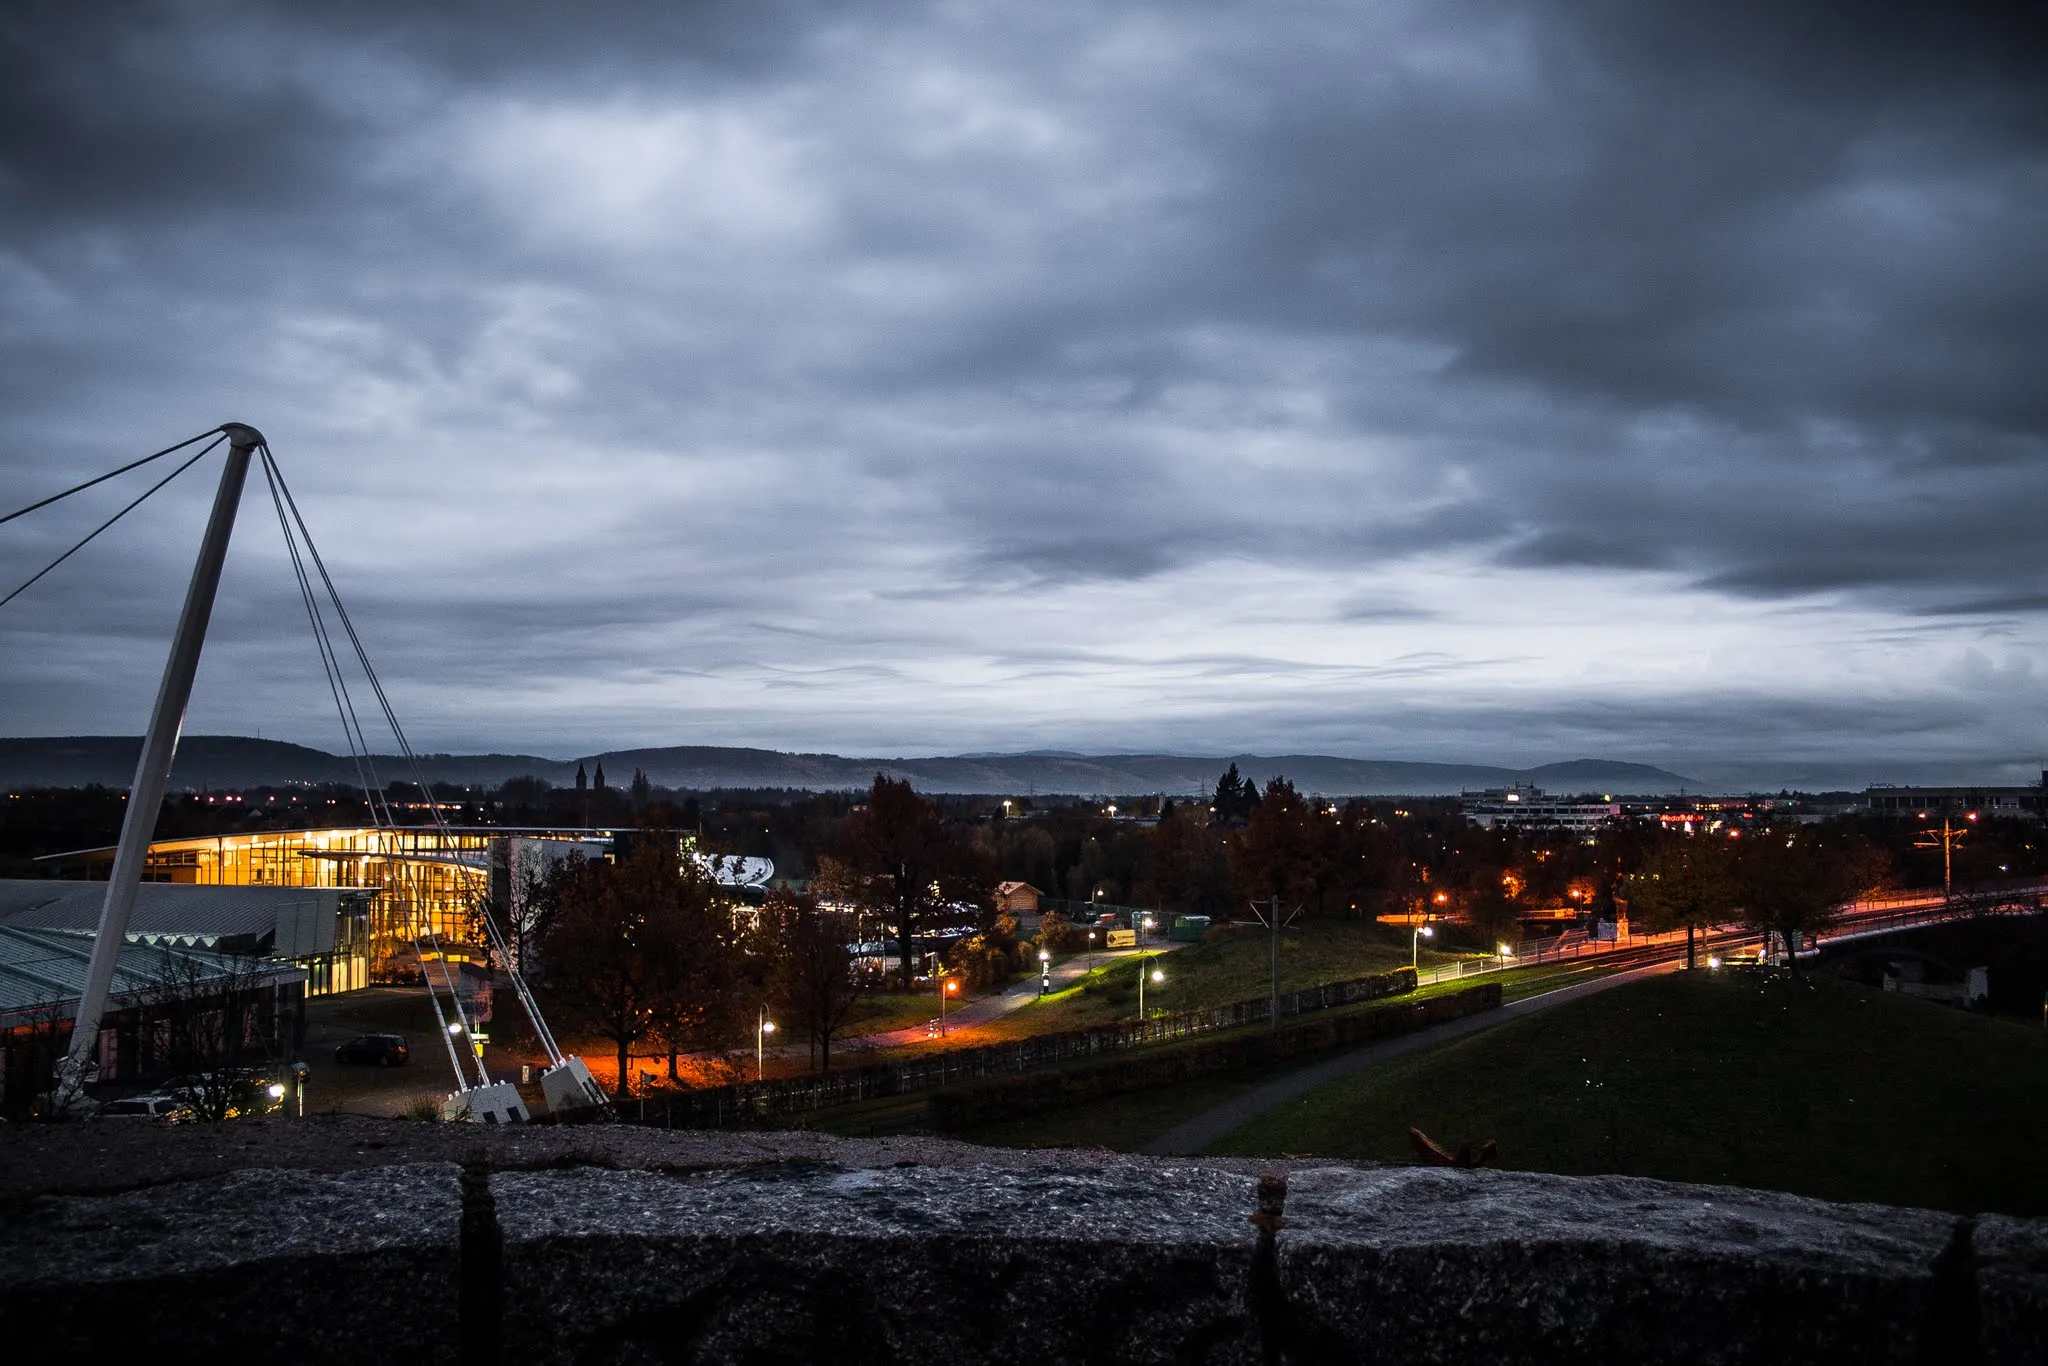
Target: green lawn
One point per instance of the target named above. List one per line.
(1811, 1085)
(1126, 1123)
(1233, 966)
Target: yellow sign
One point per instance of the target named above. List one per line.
(1123, 939)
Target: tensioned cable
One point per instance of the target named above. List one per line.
(111, 520)
(359, 754)
(545, 1035)
(330, 662)
(133, 464)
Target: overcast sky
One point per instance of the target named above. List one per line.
(1463, 381)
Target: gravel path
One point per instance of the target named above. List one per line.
(1212, 1126)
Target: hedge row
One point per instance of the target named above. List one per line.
(953, 1110)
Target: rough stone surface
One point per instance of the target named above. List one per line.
(253, 1265)
(617, 1246)
(2012, 1290)
(1428, 1265)
(896, 1264)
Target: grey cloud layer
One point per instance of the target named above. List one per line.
(669, 360)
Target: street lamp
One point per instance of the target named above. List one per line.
(949, 986)
(763, 1027)
(1422, 932)
(1505, 954)
(1157, 976)
(1091, 950)
(1044, 972)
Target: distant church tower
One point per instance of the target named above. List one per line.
(598, 781)
(582, 780)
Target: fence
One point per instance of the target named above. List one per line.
(1858, 918)
(753, 1103)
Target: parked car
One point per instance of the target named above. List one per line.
(382, 1050)
(169, 1109)
(237, 1091)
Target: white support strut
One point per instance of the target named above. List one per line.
(153, 768)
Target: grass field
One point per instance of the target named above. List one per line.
(1812, 1085)
(1126, 1123)
(1232, 966)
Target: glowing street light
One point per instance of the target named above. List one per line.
(948, 986)
(1157, 976)
(763, 1027)
(1505, 954)
(1044, 972)
(1422, 932)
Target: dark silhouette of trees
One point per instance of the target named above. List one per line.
(896, 856)
(1279, 853)
(1236, 798)
(636, 950)
(1792, 882)
(1185, 865)
(815, 978)
(1687, 883)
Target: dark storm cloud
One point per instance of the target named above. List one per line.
(905, 357)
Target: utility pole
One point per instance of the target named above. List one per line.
(1271, 918)
(1946, 842)
(153, 768)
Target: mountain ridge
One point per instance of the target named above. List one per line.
(232, 761)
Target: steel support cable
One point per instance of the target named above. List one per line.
(351, 722)
(359, 754)
(330, 660)
(133, 464)
(80, 545)
(543, 1034)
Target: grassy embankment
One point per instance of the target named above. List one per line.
(1126, 1123)
(1814, 1085)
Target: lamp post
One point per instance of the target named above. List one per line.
(1091, 950)
(947, 986)
(1044, 972)
(1505, 954)
(1422, 932)
(763, 1027)
(1156, 974)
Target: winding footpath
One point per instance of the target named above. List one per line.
(1194, 1136)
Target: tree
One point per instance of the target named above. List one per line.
(816, 980)
(1185, 865)
(1276, 853)
(897, 857)
(1792, 883)
(1689, 883)
(635, 949)
(1236, 797)
(203, 1015)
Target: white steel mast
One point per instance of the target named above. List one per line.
(153, 769)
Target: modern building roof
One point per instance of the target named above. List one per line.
(42, 972)
(287, 921)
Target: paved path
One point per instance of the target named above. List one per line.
(1015, 997)
(1194, 1135)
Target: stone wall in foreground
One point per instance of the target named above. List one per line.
(1134, 1263)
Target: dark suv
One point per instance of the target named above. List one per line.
(384, 1050)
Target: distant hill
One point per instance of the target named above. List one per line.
(219, 761)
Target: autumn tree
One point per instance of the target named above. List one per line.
(897, 857)
(1277, 853)
(1688, 883)
(1793, 882)
(635, 950)
(815, 979)
(1185, 865)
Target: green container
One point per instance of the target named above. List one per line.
(1188, 929)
